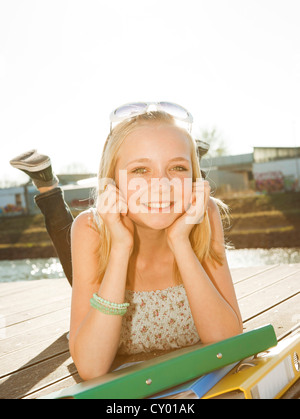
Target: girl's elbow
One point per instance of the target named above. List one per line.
(87, 373)
(88, 370)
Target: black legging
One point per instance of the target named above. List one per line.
(58, 220)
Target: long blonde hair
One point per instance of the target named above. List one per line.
(200, 236)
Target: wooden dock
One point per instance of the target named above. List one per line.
(35, 316)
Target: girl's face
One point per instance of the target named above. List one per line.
(154, 174)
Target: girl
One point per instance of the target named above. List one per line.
(149, 264)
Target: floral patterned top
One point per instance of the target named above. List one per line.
(157, 320)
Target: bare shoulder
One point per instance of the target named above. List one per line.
(213, 208)
(84, 218)
(84, 247)
(84, 222)
(212, 205)
(84, 234)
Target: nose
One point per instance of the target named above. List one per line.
(160, 189)
(161, 173)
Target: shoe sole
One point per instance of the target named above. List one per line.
(29, 167)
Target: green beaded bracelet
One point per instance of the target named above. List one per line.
(107, 310)
(109, 303)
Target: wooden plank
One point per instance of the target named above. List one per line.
(283, 316)
(36, 377)
(268, 297)
(29, 298)
(240, 274)
(8, 288)
(59, 385)
(261, 281)
(43, 321)
(31, 355)
(35, 335)
(15, 288)
(50, 306)
(12, 290)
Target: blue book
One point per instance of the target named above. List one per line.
(196, 388)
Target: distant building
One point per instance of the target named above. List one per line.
(14, 201)
(267, 169)
(20, 200)
(229, 173)
(276, 169)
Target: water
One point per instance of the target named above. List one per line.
(34, 269)
(243, 258)
(30, 269)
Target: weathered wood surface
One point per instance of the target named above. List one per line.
(35, 316)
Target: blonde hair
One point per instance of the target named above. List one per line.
(200, 236)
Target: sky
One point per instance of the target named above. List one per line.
(66, 64)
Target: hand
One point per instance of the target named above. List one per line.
(182, 227)
(113, 210)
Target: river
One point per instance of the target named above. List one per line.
(35, 269)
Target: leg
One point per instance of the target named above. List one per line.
(58, 217)
(58, 221)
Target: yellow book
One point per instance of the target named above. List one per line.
(268, 375)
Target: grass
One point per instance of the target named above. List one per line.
(24, 245)
(264, 231)
(272, 213)
(288, 201)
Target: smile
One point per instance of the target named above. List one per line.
(158, 205)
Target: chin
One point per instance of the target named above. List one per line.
(154, 221)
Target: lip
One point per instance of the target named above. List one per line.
(158, 210)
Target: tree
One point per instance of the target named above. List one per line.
(8, 181)
(213, 141)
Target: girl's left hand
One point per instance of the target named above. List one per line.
(181, 228)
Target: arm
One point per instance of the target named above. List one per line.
(209, 288)
(94, 336)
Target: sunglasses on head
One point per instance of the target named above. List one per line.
(131, 110)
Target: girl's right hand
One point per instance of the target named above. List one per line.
(113, 210)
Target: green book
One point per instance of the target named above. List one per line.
(153, 376)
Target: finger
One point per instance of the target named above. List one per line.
(202, 192)
(106, 206)
(107, 182)
(123, 207)
(197, 208)
(107, 200)
(120, 205)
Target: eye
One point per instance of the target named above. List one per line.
(180, 168)
(139, 170)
